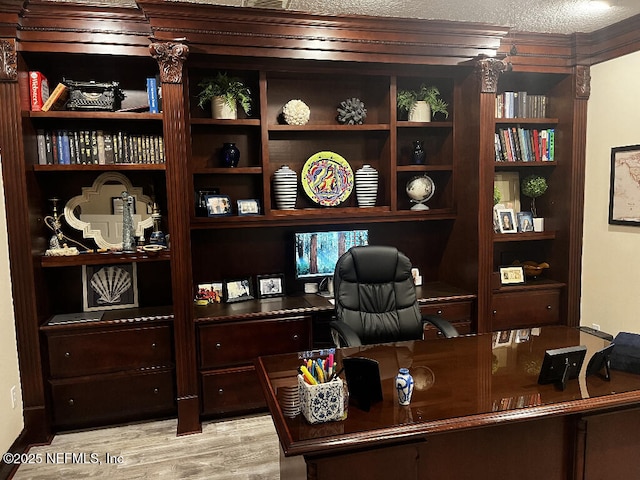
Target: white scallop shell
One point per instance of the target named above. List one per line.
(110, 283)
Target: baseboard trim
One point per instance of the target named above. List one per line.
(20, 445)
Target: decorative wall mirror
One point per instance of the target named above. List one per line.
(98, 211)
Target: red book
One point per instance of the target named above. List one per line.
(38, 90)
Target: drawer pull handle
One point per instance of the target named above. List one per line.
(156, 391)
(548, 307)
(439, 312)
(296, 336)
(218, 346)
(220, 391)
(71, 402)
(67, 354)
(495, 311)
(154, 345)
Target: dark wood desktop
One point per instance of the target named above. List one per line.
(477, 412)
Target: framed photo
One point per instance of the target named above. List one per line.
(506, 220)
(624, 191)
(117, 206)
(249, 207)
(238, 290)
(523, 335)
(211, 292)
(508, 183)
(525, 222)
(270, 286)
(108, 287)
(503, 338)
(512, 275)
(218, 205)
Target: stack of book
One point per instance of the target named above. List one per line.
(98, 147)
(520, 105)
(516, 144)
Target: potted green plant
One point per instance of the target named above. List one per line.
(225, 94)
(421, 104)
(533, 186)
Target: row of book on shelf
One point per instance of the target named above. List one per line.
(520, 105)
(41, 99)
(97, 147)
(516, 144)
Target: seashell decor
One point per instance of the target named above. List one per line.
(110, 283)
(296, 112)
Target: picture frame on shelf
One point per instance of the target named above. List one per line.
(209, 292)
(218, 205)
(506, 221)
(624, 195)
(109, 287)
(270, 285)
(201, 200)
(238, 290)
(508, 184)
(249, 206)
(525, 222)
(512, 275)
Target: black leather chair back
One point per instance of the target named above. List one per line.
(375, 295)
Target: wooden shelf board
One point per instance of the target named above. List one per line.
(424, 168)
(76, 167)
(535, 284)
(330, 127)
(522, 237)
(537, 121)
(509, 165)
(229, 171)
(143, 116)
(104, 258)
(407, 124)
(250, 122)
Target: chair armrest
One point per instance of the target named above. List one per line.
(343, 333)
(444, 326)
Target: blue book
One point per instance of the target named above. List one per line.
(152, 94)
(66, 149)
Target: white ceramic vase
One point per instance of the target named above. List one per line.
(420, 112)
(285, 188)
(221, 110)
(366, 186)
(404, 386)
(538, 224)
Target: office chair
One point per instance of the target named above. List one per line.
(375, 299)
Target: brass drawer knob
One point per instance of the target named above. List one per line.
(220, 391)
(70, 402)
(154, 345)
(67, 354)
(218, 346)
(439, 312)
(156, 390)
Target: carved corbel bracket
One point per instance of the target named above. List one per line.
(8, 60)
(489, 70)
(170, 56)
(583, 81)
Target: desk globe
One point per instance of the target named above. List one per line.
(420, 189)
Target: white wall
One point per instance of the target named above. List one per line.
(10, 418)
(611, 254)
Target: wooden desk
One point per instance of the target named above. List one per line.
(477, 412)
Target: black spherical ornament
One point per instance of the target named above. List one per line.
(352, 112)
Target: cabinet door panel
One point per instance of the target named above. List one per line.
(237, 343)
(103, 399)
(231, 391)
(525, 309)
(109, 351)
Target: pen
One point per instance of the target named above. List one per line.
(307, 376)
(319, 372)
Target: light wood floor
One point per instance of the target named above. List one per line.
(242, 449)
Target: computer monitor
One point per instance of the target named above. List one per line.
(316, 253)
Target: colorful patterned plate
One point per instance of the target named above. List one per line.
(327, 179)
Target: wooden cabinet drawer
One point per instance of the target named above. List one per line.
(458, 313)
(109, 351)
(108, 398)
(525, 309)
(242, 342)
(230, 391)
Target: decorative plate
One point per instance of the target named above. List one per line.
(327, 178)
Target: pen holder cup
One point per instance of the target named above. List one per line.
(323, 402)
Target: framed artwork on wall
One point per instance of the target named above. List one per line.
(624, 190)
(108, 287)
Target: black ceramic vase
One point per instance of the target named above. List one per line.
(229, 155)
(418, 156)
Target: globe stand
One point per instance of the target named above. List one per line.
(419, 205)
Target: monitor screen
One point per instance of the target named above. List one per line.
(317, 253)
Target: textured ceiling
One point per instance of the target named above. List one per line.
(544, 16)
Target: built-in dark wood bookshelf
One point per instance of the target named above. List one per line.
(203, 349)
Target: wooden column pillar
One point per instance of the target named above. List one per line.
(171, 56)
(36, 423)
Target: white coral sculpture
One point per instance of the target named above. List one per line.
(296, 112)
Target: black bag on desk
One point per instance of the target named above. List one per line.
(626, 353)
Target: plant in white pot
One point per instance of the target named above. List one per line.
(534, 186)
(421, 104)
(225, 93)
